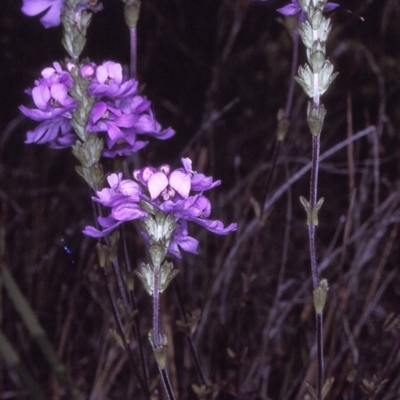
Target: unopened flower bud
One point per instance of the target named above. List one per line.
(88, 70)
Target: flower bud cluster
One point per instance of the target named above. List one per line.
(109, 107)
(164, 200)
(316, 76)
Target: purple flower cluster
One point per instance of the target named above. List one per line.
(178, 193)
(119, 114)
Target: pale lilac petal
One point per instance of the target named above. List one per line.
(180, 182)
(143, 175)
(59, 92)
(41, 96)
(114, 179)
(156, 184)
(34, 7)
(53, 16)
(53, 7)
(101, 74)
(114, 71)
(187, 164)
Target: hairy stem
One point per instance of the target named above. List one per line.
(313, 259)
(133, 49)
(157, 342)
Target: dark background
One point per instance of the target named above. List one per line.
(218, 72)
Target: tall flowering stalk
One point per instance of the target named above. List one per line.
(98, 112)
(315, 78)
(163, 201)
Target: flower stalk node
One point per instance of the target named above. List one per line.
(319, 296)
(160, 351)
(165, 274)
(312, 212)
(315, 117)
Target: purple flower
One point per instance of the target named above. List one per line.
(54, 108)
(52, 8)
(123, 196)
(168, 184)
(170, 193)
(121, 190)
(109, 81)
(160, 190)
(295, 8)
(120, 113)
(50, 95)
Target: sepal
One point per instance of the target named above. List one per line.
(315, 117)
(160, 352)
(305, 79)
